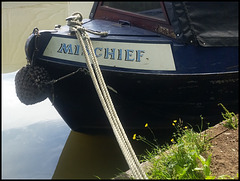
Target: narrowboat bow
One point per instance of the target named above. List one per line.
(160, 61)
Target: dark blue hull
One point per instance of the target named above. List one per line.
(144, 98)
(198, 79)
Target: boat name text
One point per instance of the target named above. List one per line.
(106, 53)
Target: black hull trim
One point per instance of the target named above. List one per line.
(140, 99)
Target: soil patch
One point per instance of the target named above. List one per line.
(224, 149)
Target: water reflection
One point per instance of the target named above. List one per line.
(98, 155)
(90, 157)
(17, 115)
(33, 151)
(32, 136)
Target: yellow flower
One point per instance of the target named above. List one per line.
(174, 121)
(185, 127)
(134, 136)
(173, 124)
(146, 125)
(172, 140)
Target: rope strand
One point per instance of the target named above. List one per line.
(104, 96)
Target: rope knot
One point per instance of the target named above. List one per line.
(75, 18)
(75, 23)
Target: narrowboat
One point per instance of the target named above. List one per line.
(160, 61)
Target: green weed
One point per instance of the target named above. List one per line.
(222, 177)
(182, 159)
(230, 117)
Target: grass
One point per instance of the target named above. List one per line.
(230, 117)
(184, 158)
(180, 160)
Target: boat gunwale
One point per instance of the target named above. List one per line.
(77, 65)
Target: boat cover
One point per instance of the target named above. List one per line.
(205, 23)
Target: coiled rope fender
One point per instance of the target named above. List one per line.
(31, 84)
(75, 24)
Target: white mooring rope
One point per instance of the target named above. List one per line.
(104, 96)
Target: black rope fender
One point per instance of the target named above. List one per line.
(32, 84)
